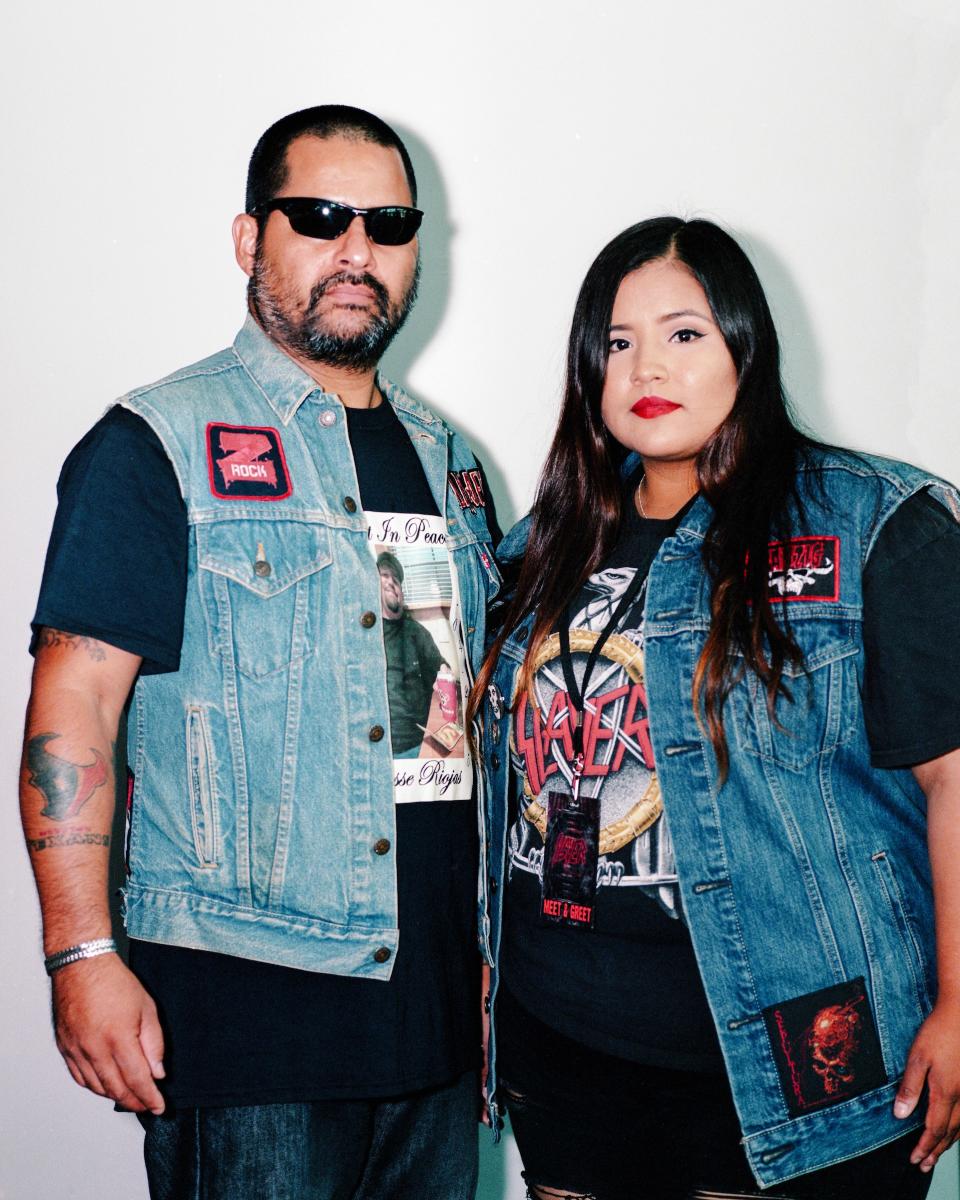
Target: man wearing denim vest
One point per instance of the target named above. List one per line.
(298, 1016)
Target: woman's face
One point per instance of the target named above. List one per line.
(670, 378)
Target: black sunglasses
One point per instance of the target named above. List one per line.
(389, 225)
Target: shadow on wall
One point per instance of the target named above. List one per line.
(802, 364)
(425, 320)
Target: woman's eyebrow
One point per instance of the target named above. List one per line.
(685, 312)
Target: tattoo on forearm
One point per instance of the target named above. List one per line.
(75, 837)
(56, 637)
(66, 786)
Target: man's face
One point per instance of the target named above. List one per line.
(336, 302)
(391, 595)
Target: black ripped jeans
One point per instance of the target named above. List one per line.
(592, 1125)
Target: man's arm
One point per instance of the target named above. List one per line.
(106, 1025)
(934, 1058)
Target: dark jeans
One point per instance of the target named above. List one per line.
(592, 1125)
(423, 1145)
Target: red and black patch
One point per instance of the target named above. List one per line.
(468, 488)
(825, 1046)
(805, 568)
(246, 463)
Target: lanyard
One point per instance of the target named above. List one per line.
(575, 691)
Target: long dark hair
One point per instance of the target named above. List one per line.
(746, 469)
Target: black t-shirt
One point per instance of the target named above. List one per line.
(239, 1031)
(630, 987)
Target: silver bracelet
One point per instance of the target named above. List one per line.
(105, 945)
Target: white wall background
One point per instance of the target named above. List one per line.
(824, 134)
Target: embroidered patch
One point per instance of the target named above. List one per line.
(825, 1046)
(246, 463)
(468, 488)
(805, 568)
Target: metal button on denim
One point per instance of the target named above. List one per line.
(349, 504)
(381, 846)
(495, 759)
(368, 620)
(381, 955)
(262, 568)
(376, 733)
(328, 417)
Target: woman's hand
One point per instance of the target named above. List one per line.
(934, 1057)
(934, 1061)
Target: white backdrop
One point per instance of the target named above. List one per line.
(825, 135)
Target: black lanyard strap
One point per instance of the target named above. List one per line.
(576, 691)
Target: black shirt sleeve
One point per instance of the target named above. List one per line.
(116, 567)
(911, 587)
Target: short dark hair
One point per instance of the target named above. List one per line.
(267, 172)
(389, 562)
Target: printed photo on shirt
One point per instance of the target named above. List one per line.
(423, 642)
(635, 849)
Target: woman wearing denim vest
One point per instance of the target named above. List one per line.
(721, 732)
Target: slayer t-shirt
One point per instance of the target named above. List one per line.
(630, 986)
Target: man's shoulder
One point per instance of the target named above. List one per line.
(409, 409)
(188, 381)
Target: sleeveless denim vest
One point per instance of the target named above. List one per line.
(263, 773)
(808, 868)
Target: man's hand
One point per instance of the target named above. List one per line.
(934, 1061)
(108, 1032)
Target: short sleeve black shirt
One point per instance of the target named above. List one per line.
(238, 1031)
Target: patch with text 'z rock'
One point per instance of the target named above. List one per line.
(246, 462)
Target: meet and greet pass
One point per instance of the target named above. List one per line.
(570, 860)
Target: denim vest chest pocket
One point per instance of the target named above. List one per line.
(259, 582)
(823, 709)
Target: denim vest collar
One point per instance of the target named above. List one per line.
(285, 385)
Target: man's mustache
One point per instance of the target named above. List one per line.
(380, 293)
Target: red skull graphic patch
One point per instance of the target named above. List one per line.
(246, 463)
(825, 1046)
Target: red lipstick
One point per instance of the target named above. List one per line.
(649, 407)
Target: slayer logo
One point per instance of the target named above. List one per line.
(246, 463)
(825, 1046)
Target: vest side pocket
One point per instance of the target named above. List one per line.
(903, 922)
(204, 814)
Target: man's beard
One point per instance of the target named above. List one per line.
(309, 335)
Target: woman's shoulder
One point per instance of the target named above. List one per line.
(825, 461)
(514, 543)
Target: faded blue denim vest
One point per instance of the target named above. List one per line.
(263, 770)
(808, 867)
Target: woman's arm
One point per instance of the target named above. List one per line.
(934, 1058)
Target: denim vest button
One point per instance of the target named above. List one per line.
(495, 759)
(349, 504)
(368, 620)
(376, 733)
(381, 846)
(328, 417)
(381, 955)
(261, 568)
(493, 884)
